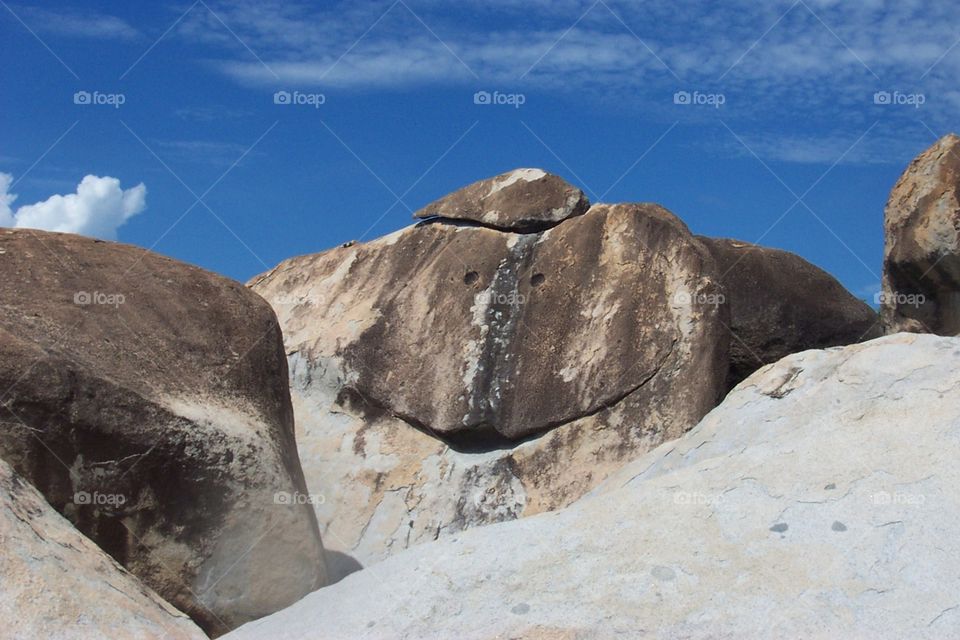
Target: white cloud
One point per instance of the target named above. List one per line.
(787, 69)
(80, 24)
(785, 56)
(98, 208)
(774, 42)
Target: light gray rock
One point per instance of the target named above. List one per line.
(818, 500)
(57, 584)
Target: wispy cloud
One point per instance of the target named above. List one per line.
(205, 151)
(813, 39)
(840, 146)
(85, 23)
(784, 61)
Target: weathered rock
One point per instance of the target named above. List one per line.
(812, 503)
(58, 584)
(448, 375)
(520, 200)
(148, 401)
(781, 304)
(921, 265)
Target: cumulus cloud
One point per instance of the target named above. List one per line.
(98, 208)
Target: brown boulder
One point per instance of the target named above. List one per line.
(446, 376)
(921, 265)
(781, 304)
(148, 401)
(473, 333)
(520, 200)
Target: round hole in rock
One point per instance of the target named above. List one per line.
(471, 277)
(537, 279)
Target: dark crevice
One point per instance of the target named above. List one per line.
(531, 227)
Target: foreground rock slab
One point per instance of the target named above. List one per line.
(921, 260)
(148, 401)
(58, 584)
(447, 376)
(781, 304)
(818, 500)
(523, 200)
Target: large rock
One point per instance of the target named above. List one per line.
(781, 304)
(448, 375)
(921, 266)
(148, 401)
(520, 200)
(818, 501)
(58, 584)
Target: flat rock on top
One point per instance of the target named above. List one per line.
(519, 200)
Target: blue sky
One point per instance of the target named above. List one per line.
(784, 139)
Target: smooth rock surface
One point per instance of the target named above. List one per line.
(523, 200)
(921, 259)
(818, 501)
(447, 376)
(148, 401)
(781, 304)
(57, 584)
